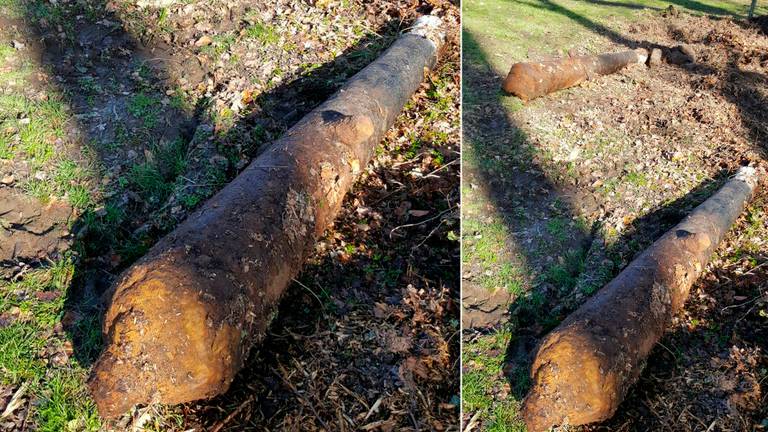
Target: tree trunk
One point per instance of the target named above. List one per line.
(181, 320)
(531, 80)
(584, 368)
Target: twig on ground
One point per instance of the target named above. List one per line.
(441, 167)
(220, 425)
(284, 376)
(419, 223)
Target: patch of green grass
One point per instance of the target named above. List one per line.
(756, 229)
(172, 157)
(41, 190)
(39, 124)
(633, 178)
(564, 275)
(88, 85)
(162, 20)
(504, 418)
(145, 107)
(29, 130)
(486, 241)
(414, 148)
(149, 181)
(65, 403)
(7, 150)
(18, 351)
(155, 178)
(440, 99)
(507, 276)
(221, 44)
(5, 51)
(180, 101)
(71, 180)
(558, 228)
(474, 389)
(52, 13)
(191, 200)
(79, 196)
(35, 143)
(605, 144)
(11, 8)
(67, 172)
(11, 105)
(264, 33)
(437, 157)
(61, 399)
(637, 179)
(483, 380)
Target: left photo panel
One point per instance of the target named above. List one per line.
(229, 215)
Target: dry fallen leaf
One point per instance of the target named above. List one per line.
(16, 401)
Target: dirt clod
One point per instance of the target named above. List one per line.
(31, 231)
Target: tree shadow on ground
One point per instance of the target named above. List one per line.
(522, 193)
(634, 6)
(116, 86)
(747, 90)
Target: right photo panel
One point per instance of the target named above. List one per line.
(614, 229)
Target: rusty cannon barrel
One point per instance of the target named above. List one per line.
(584, 367)
(531, 80)
(182, 319)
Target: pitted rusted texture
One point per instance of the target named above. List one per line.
(531, 80)
(584, 368)
(182, 319)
